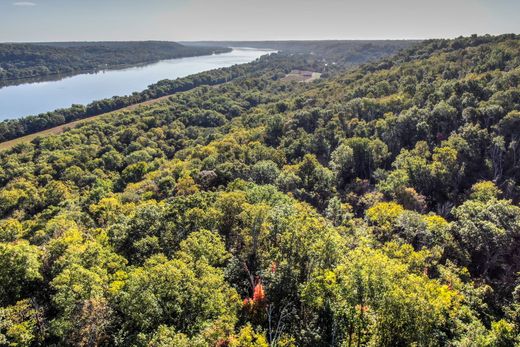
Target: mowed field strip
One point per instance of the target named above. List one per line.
(61, 128)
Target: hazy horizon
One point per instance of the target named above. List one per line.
(248, 20)
(188, 41)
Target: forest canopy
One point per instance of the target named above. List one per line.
(378, 206)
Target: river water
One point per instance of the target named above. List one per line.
(38, 97)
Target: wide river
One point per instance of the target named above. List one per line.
(38, 97)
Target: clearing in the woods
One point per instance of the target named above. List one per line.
(302, 76)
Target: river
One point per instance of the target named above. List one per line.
(38, 97)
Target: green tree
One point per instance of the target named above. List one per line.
(377, 300)
(489, 231)
(20, 265)
(21, 324)
(186, 296)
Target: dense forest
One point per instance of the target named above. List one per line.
(376, 207)
(29, 60)
(283, 63)
(334, 52)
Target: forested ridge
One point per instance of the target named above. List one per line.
(335, 52)
(29, 60)
(327, 57)
(376, 207)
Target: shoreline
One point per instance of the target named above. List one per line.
(61, 128)
(59, 76)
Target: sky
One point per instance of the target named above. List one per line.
(189, 20)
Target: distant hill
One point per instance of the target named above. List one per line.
(338, 51)
(30, 60)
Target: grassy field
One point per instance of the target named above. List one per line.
(299, 76)
(61, 128)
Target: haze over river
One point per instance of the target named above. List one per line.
(38, 97)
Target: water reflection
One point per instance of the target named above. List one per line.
(42, 95)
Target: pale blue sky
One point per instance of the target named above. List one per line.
(176, 20)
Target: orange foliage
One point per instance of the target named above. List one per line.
(258, 300)
(362, 308)
(259, 293)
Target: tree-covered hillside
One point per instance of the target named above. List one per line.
(326, 57)
(378, 207)
(29, 60)
(334, 52)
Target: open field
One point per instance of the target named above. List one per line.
(301, 76)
